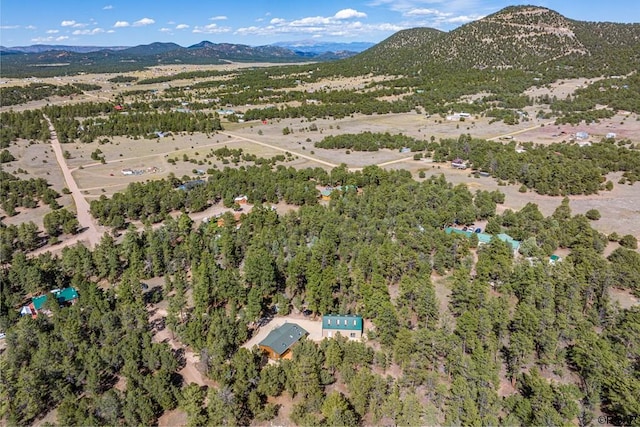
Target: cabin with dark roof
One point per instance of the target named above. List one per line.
(277, 345)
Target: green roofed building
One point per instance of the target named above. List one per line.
(484, 238)
(348, 325)
(64, 296)
(278, 343)
(515, 245)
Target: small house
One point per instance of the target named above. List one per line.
(66, 296)
(279, 342)
(610, 135)
(241, 200)
(325, 194)
(347, 325)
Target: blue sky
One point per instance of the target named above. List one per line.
(258, 22)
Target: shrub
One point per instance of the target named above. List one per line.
(593, 214)
(629, 241)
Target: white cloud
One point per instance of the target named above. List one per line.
(30, 27)
(111, 31)
(72, 23)
(344, 23)
(107, 7)
(182, 27)
(88, 32)
(52, 31)
(463, 19)
(425, 12)
(9, 27)
(349, 13)
(121, 24)
(165, 30)
(49, 39)
(211, 29)
(143, 22)
(436, 13)
(319, 27)
(218, 18)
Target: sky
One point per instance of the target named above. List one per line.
(258, 22)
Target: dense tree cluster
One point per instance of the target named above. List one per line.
(139, 120)
(369, 141)
(16, 192)
(14, 95)
(60, 221)
(22, 125)
(24, 237)
(123, 79)
(555, 169)
(73, 358)
(261, 184)
(508, 318)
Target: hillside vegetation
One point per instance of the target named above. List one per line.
(523, 37)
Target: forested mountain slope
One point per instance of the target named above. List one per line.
(523, 37)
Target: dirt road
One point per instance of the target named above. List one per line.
(91, 231)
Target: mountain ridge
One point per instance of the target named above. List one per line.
(518, 37)
(529, 38)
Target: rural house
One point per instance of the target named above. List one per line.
(348, 325)
(484, 238)
(277, 345)
(66, 296)
(241, 200)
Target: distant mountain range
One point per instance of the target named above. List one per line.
(302, 47)
(39, 48)
(40, 59)
(517, 37)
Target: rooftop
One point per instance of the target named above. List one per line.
(345, 322)
(486, 238)
(62, 295)
(282, 338)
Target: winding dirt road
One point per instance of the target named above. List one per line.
(92, 232)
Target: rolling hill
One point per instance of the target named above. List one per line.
(519, 37)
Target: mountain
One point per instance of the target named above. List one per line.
(519, 37)
(39, 48)
(315, 48)
(238, 52)
(150, 49)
